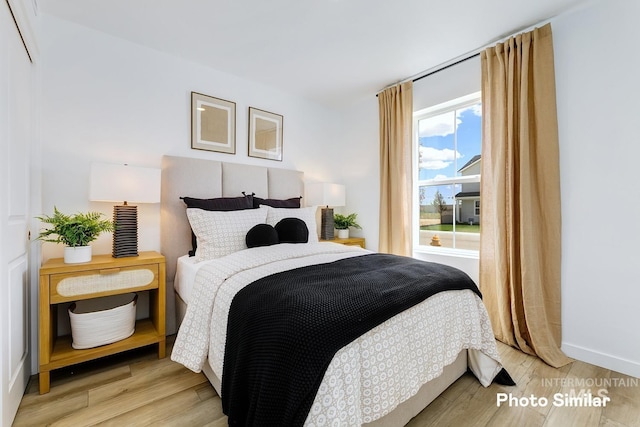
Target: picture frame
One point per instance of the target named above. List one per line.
(213, 124)
(265, 134)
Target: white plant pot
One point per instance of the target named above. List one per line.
(343, 234)
(77, 254)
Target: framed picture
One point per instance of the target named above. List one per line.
(265, 134)
(213, 124)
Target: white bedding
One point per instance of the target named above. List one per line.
(185, 279)
(367, 378)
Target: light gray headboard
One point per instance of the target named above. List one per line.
(183, 176)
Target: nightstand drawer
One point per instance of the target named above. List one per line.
(101, 282)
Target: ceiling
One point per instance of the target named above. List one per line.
(333, 52)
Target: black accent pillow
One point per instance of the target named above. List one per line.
(292, 203)
(216, 204)
(220, 203)
(262, 235)
(292, 230)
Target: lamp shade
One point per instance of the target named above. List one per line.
(118, 183)
(123, 183)
(325, 194)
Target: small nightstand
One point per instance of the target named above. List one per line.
(60, 283)
(349, 241)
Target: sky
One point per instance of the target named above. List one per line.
(440, 156)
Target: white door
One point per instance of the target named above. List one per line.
(16, 124)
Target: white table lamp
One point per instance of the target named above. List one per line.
(327, 195)
(124, 183)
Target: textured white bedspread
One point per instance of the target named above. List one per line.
(367, 378)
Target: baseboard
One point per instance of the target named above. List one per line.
(608, 361)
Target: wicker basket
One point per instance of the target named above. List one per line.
(101, 321)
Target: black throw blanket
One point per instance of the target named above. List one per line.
(284, 329)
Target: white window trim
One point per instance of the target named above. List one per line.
(458, 103)
(445, 181)
(460, 253)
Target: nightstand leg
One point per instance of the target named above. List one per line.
(162, 349)
(44, 378)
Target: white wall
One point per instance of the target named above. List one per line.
(358, 161)
(108, 100)
(597, 79)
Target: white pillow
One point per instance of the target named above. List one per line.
(308, 215)
(220, 233)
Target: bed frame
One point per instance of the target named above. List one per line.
(201, 178)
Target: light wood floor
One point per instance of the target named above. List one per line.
(137, 389)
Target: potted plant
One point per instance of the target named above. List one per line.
(343, 222)
(75, 231)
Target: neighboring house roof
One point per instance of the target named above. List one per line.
(474, 159)
(462, 194)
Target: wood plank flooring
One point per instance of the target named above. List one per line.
(137, 389)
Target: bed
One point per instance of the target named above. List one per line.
(360, 387)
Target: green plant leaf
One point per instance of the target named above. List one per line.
(73, 230)
(343, 222)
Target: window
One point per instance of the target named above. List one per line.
(448, 163)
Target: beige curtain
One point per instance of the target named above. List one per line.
(396, 121)
(520, 239)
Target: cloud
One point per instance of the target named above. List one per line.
(443, 124)
(435, 159)
(440, 125)
(476, 109)
(433, 164)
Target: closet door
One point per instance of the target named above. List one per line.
(16, 127)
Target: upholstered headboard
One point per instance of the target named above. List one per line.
(183, 176)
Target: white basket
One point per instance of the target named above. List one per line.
(100, 321)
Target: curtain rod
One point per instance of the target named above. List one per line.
(439, 68)
(430, 73)
(473, 53)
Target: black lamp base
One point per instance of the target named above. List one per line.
(326, 226)
(125, 235)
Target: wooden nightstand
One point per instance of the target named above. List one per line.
(60, 282)
(349, 241)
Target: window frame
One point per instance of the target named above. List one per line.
(425, 113)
